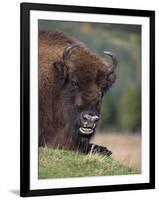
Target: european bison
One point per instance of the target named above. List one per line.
(72, 82)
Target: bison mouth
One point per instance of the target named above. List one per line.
(87, 123)
(87, 131)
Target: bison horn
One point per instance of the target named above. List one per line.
(67, 51)
(114, 63)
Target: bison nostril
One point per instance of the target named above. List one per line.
(85, 117)
(95, 119)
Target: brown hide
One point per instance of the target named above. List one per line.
(55, 111)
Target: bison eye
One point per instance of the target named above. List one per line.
(75, 84)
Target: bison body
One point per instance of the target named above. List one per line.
(72, 81)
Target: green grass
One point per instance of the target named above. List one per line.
(55, 163)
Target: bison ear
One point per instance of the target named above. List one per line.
(111, 79)
(60, 70)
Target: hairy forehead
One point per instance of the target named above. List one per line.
(87, 65)
(87, 73)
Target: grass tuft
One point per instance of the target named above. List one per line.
(55, 163)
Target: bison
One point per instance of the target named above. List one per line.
(72, 82)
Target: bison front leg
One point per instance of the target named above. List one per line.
(94, 148)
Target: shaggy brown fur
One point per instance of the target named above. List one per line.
(60, 104)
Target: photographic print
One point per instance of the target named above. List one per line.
(85, 99)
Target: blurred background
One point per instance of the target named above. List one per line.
(120, 125)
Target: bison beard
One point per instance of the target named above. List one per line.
(72, 82)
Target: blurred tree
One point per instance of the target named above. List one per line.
(108, 112)
(129, 109)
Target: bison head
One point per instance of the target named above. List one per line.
(82, 78)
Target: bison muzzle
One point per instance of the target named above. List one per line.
(72, 82)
